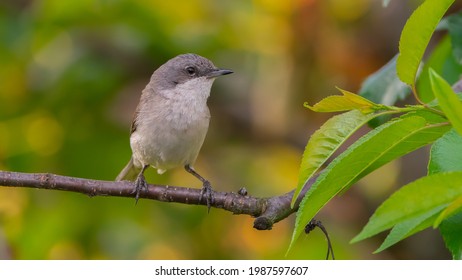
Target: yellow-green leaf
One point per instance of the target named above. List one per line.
(416, 36)
(407, 203)
(447, 99)
(409, 227)
(325, 141)
(453, 208)
(385, 143)
(346, 102)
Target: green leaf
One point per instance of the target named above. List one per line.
(409, 227)
(413, 200)
(452, 209)
(376, 148)
(346, 102)
(429, 116)
(325, 141)
(429, 134)
(446, 153)
(448, 100)
(442, 61)
(454, 23)
(451, 230)
(435, 104)
(416, 36)
(384, 87)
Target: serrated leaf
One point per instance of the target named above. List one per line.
(416, 35)
(384, 87)
(431, 133)
(325, 141)
(451, 230)
(408, 228)
(446, 153)
(376, 148)
(346, 102)
(413, 200)
(447, 99)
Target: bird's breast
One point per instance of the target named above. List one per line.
(172, 132)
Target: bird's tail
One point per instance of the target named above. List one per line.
(129, 173)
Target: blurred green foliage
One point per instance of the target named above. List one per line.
(71, 73)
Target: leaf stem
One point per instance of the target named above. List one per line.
(416, 96)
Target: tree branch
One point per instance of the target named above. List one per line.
(267, 210)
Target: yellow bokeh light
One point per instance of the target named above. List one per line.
(12, 202)
(350, 10)
(44, 135)
(4, 140)
(66, 250)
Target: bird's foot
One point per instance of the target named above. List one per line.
(207, 193)
(140, 184)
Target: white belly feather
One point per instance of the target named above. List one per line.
(173, 131)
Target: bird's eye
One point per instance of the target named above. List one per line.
(191, 70)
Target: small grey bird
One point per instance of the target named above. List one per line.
(172, 119)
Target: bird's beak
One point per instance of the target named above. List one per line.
(218, 72)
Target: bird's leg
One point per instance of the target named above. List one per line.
(140, 184)
(206, 190)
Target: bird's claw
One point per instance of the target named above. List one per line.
(207, 192)
(140, 184)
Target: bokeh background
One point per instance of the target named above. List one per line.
(71, 73)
